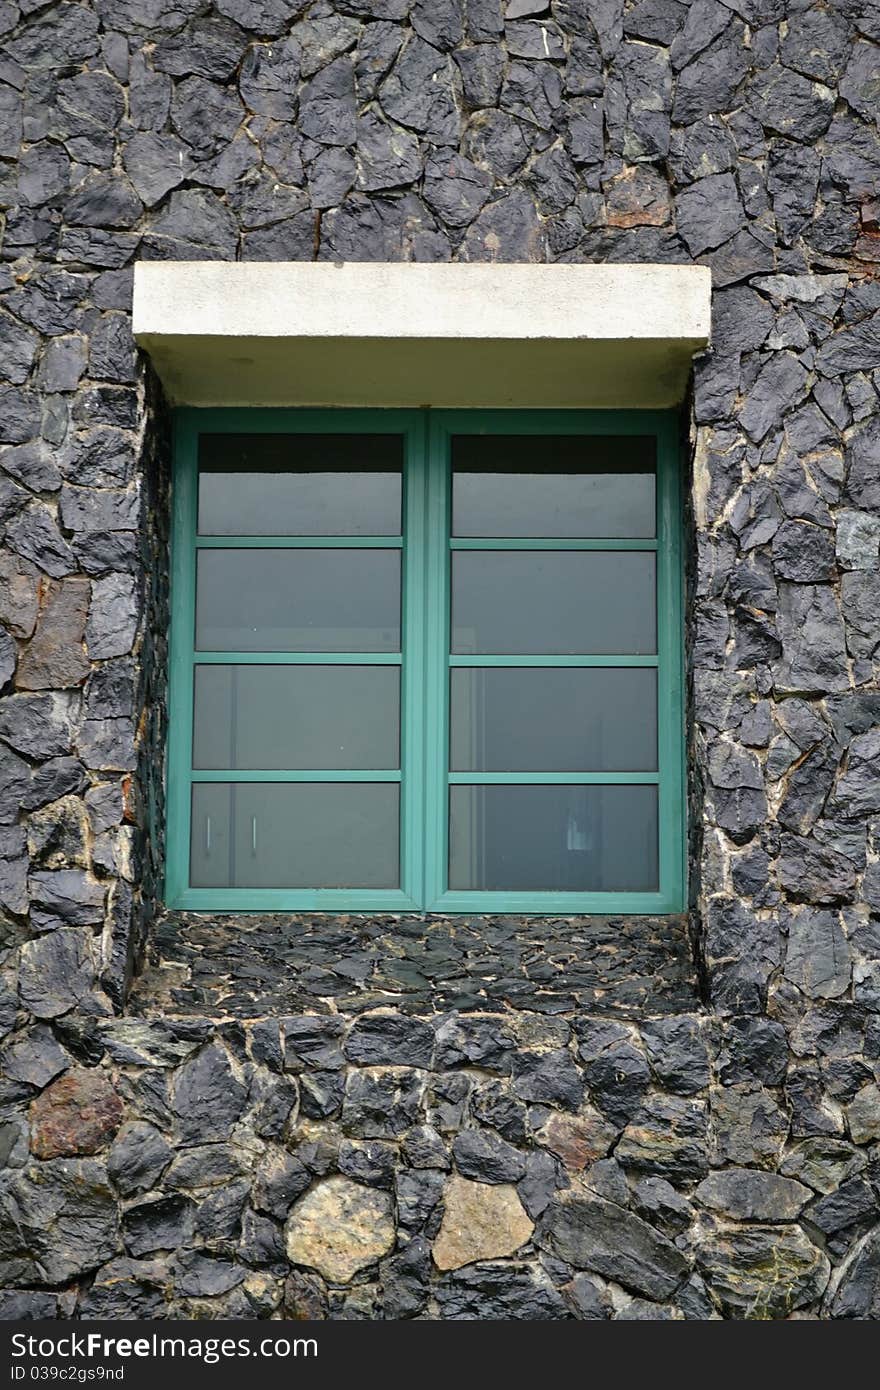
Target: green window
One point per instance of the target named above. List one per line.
(426, 661)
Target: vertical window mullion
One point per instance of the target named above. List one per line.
(412, 670)
(437, 660)
(670, 673)
(182, 636)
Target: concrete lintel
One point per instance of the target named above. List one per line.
(301, 333)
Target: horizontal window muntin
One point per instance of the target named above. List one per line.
(426, 775)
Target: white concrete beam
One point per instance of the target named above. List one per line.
(317, 333)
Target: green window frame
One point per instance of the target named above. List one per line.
(425, 662)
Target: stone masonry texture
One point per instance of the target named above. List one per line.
(319, 1117)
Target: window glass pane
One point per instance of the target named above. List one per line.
(553, 838)
(299, 484)
(295, 835)
(553, 485)
(255, 717)
(545, 601)
(298, 600)
(553, 719)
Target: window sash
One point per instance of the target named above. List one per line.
(425, 660)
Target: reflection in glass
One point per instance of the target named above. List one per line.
(567, 839)
(553, 719)
(296, 717)
(300, 484)
(553, 485)
(554, 602)
(298, 600)
(295, 835)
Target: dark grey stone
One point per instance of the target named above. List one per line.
(292, 238)
(381, 1102)
(708, 82)
(439, 22)
(540, 1183)
(858, 1292)
(590, 1233)
(857, 793)
(482, 70)
(162, 1223)
(56, 973)
(454, 188)
(205, 115)
(137, 1159)
(387, 156)
(268, 79)
(735, 1265)
(390, 1039)
(803, 553)
(419, 93)
(677, 1054)
(859, 81)
(327, 109)
(155, 163)
(379, 45)
(207, 47)
(60, 1220)
(816, 43)
(548, 1078)
(195, 225)
(33, 1058)
(269, 17)
(814, 873)
(813, 648)
(807, 790)
(746, 1194)
(279, 1180)
(499, 1292)
(312, 1040)
(667, 1138)
(485, 1157)
(208, 1097)
(331, 176)
(506, 230)
(417, 1192)
(373, 1162)
(495, 141)
(790, 104)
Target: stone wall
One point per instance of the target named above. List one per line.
(491, 1118)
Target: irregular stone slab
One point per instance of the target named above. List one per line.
(340, 1227)
(56, 972)
(590, 1233)
(483, 1156)
(822, 1163)
(500, 1293)
(78, 1114)
(208, 1097)
(858, 1293)
(161, 1224)
(818, 957)
(385, 1039)
(749, 1127)
(749, 1195)
(666, 1138)
(57, 1220)
(763, 1272)
(863, 1115)
(126, 1289)
(138, 1158)
(578, 1139)
(19, 595)
(381, 1102)
(479, 1223)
